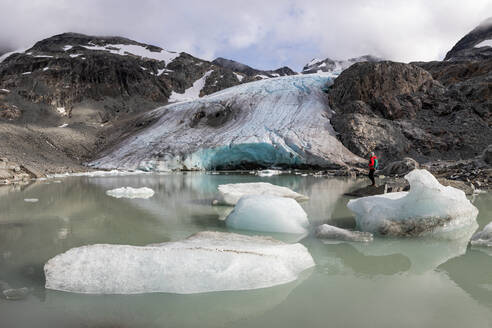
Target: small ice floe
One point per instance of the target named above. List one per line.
(67, 47)
(31, 200)
(16, 294)
(129, 192)
(4, 91)
(268, 173)
(64, 125)
(428, 208)
(484, 237)
(204, 262)
(328, 232)
(45, 69)
(26, 73)
(61, 110)
(229, 194)
(269, 214)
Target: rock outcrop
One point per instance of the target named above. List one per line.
(476, 45)
(399, 110)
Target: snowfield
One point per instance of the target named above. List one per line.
(282, 121)
(204, 262)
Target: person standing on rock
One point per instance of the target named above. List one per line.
(373, 166)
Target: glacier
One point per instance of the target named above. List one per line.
(229, 194)
(129, 192)
(268, 213)
(282, 122)
(205, 262)
(484, 237)
(428, 208)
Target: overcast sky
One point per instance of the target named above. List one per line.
(264, 34)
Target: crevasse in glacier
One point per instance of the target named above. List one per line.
(204, 262)
(268, 213)
(283, 121)
(428, 208)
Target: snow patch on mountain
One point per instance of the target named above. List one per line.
(484, 43)
(192, 92)
(282, 121)
(137, 50)
(333, 68)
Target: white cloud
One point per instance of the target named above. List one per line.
(262, 33)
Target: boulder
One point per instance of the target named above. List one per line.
(404, 166)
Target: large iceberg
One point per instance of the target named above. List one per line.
(282, 121)
(268, 214)
(229, 194)
(129, 192)
(204, 262)
(428, 208)
(484, 237)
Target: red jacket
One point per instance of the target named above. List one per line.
(372, 162)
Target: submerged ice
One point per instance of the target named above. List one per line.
(328, 232)
(283, 121)
(484, 237)
(428, 208)
(268, 214)
(229, 194)
(129, 192)
(204, 262)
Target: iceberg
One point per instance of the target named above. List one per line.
(205, 262)
(268, 214)
(428, 208)
(484, 237)
(329, 232)
(229, 194)
(129, 192)
(277, 122)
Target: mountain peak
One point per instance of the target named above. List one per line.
(475, 45)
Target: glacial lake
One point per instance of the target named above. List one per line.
(386, 283)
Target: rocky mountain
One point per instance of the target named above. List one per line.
(428, 111)
(252, 72)
(335, 67)
(476, 45)
(71, 95)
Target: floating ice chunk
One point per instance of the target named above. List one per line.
(268, 173)
(31, 200)
(428, 208)
(329, 232)
(268, 213)
(484, 237)
(64, 125)
(231, 193)
(204, 262)
(129, 192)
(61, 110)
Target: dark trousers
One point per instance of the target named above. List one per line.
(371, 176)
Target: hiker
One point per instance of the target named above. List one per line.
(373, 166)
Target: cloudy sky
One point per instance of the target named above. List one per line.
(264, 34)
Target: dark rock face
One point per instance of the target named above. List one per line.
(399, 110)
(249, 71)
(466, 48)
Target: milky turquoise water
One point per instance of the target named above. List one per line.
(387, 283)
